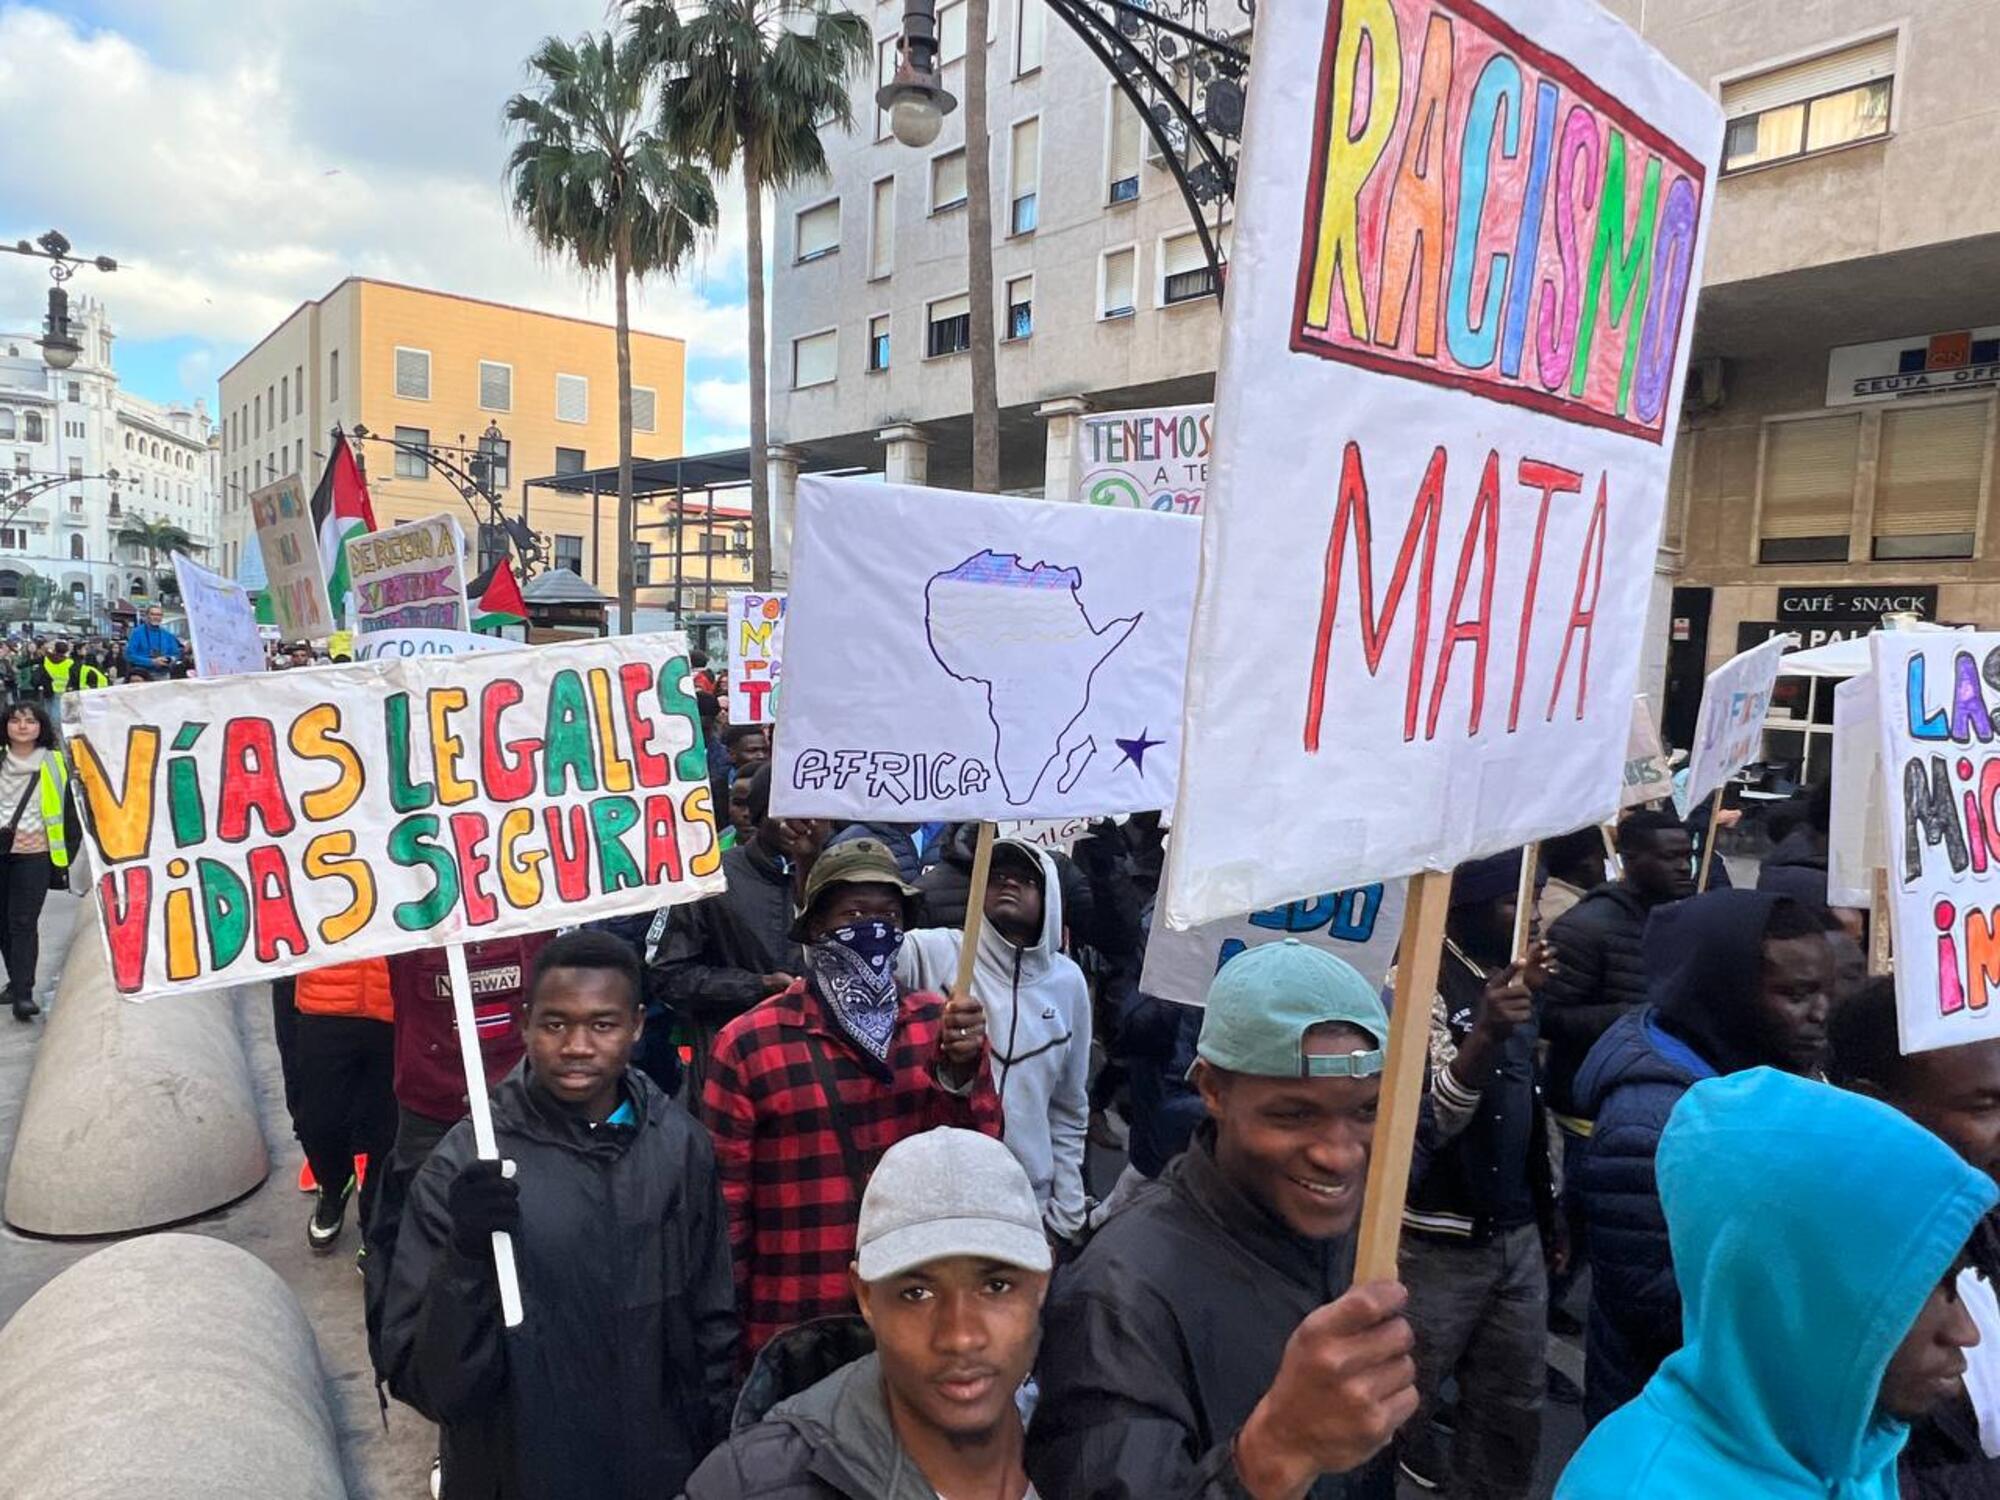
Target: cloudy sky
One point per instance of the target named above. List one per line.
(241, 156)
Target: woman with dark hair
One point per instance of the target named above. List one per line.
(34, 799)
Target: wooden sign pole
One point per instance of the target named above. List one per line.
(1524, 898)
(1403, 1076)
(482, 1121)
(975, 909)
(1878, 924)
(1708, 840)
(1614, 867)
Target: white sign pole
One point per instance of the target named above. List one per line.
(482, 1121)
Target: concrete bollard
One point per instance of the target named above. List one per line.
(136, 1115)
(171, 1367)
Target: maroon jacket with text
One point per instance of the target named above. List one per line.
(430, 1080)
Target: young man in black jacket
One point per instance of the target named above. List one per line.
(619, 1378)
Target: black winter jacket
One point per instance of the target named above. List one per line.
(618, 1379)
(711, 955)
(946, 884)
(1797, 868)
(1160, 1339)
(1600, 976)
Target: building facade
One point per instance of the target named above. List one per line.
(437, 370)
(129, 461)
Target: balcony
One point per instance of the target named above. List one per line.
(73, 514)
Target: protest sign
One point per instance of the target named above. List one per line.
(1648, 777)
(222, 622)
(1155, 458)
(1361, 925)
(361, 810)
(1854, 849)
(1935, 712)
(1057, 835)
(954, 657)
(394, 643)
(1729, 730)
(756, 655)
(1460, 299)
(295, 581)
(409, 577)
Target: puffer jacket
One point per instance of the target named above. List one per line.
(1601, 975)
(1038, 1030)
(358, 989)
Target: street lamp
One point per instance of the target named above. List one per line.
(59, 343)
(916, 98)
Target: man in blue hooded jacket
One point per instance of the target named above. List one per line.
(1815, 1334)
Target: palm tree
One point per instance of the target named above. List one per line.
(592, 178)
(751, 84)
(979, 256)
(154, 537)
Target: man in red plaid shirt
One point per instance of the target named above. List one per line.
(808, 1088)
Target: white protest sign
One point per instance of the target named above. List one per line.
(1935, 713)
(392, 643)
(409, 577)
(1461, 292)
(1155, 458)
(1057, 835)
(1648, 777)
(362, 810)
(294, 579)
(222, 622)
(1729, 730)
(756, 656)
(954, 657)
(1854, 849)
(1361, 925)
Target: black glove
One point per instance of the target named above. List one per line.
(480, 1202)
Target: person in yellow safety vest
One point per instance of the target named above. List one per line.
(55, 674)
(37, 857)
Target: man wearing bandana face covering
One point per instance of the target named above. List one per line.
(808, 1088)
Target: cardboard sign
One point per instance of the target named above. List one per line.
(1729, 730)
(1935, 717)
(358, 811)
(409, 577)
(1057, 835)
(1461, 294)
(1361, 925)
(395, 643)
(756, 656)
(1155, 458)
(1648, 777)
(294, 580)
(222, 622)
(1854, 849)
(954, 657)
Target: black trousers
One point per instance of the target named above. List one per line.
(346, 1098)
(24, 888)
(285, 1029)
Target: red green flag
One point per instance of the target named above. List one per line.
(340, 509)
(496, 598)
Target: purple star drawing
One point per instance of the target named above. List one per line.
(1135, 750)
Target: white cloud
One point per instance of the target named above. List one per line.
(720, 408)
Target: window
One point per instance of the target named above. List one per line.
(76, 390)
(413, 374)
(333, 375)
(1185, 275)
(299, 456)
(496, 386)
(818, 231)
(1117, 283)
(76, 470)
(76, 547)
(1122, 154)
(569, 553)
(882, 226)
(411, 465)
(1028, 19)
(948, 181)
(496, 455)
(492, 545)
(256, 416)
(572, 398)
(285, 399)
(951, 32)
(949, 326)
(1020, 307)
(1826, 101)
(885, 71)
(299, 387)
(642, 564)
(1927, 480)
(1024, 166)
(878, 342)
(814, 359)
(645, 408)
(8, 430)
(1806, 490)
(31, 427)
(270, 407)
(569, 461)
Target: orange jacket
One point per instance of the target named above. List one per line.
(357, 989)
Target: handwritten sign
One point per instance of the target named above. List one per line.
(1729, 730)
(1057, 835)
(1935, 713)
(1461, 295)
(362, 810)
(295, 581)
(409, 577)
(1155, 458)
(222, 622)
(1361, 925)
(1648, 777)
(394, 643)
(756, 656)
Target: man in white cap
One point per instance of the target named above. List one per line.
(950, 1269)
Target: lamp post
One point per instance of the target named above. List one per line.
(59, 343)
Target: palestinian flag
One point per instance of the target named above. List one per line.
(496, 598)
(340, 509)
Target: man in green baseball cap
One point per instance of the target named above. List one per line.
(1208, 1341)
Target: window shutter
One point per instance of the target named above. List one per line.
(950, 307)
(1809, 477)
(1125, 132)
(813, 359)
(572, 398)
(1027, 159)
(496, 386)
(1120, 277)
(645, 408)
(1183, 254)
(951, 33)
(1826, 74)
(1028, 36)
(413, 374)
(882, 227)
(819, 230)
(948, 180)
(1927, 482)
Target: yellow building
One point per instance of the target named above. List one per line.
(435, 369)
